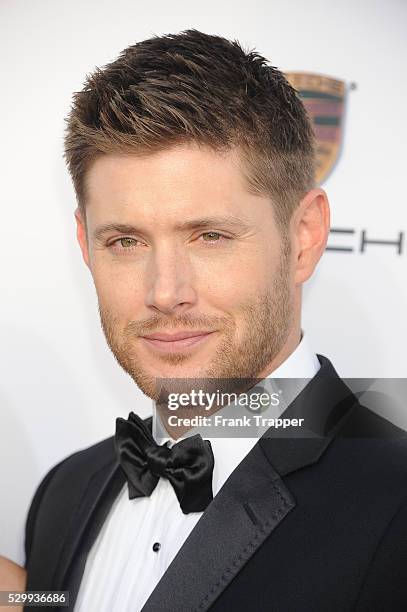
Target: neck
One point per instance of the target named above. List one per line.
(289, 347)
(176, 432)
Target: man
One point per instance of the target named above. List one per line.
(198, 217)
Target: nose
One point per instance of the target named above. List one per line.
(170, 281)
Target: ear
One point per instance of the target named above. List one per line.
(81, 235)
(311, 223)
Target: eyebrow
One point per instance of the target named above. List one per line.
(201, 223)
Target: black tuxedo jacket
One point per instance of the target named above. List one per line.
(305, 524)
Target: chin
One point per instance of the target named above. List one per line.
(178, 371)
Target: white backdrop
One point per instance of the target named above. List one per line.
(61, 389)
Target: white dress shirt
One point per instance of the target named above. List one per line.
(141, 536)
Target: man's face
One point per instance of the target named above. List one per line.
(175, 243)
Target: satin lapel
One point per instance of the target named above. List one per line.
(325, 404)
(240, 517)
(103, 488)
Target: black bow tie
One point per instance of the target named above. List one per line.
(188, 465)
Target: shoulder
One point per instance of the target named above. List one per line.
(82, 463)
(68, 478)
(76, 468)
(370, 453)
(365, 423)
(86, 460)
(379, 441)
(79, 464)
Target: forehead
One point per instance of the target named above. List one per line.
(175, 179)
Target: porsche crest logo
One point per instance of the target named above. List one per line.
(324, 99)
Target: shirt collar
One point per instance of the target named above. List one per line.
(302, 363)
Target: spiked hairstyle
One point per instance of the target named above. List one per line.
(195, 87)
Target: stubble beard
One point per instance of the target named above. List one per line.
(268, 320)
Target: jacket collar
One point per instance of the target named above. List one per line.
(249, 506)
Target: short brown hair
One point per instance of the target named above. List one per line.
(197, 87)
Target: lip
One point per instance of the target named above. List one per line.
(175, 342)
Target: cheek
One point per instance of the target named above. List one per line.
(117, 292)
(235, 289)
(241, 278)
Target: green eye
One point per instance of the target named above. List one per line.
(216, 234)
(127, 242)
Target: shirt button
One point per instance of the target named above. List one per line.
(156, 546)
